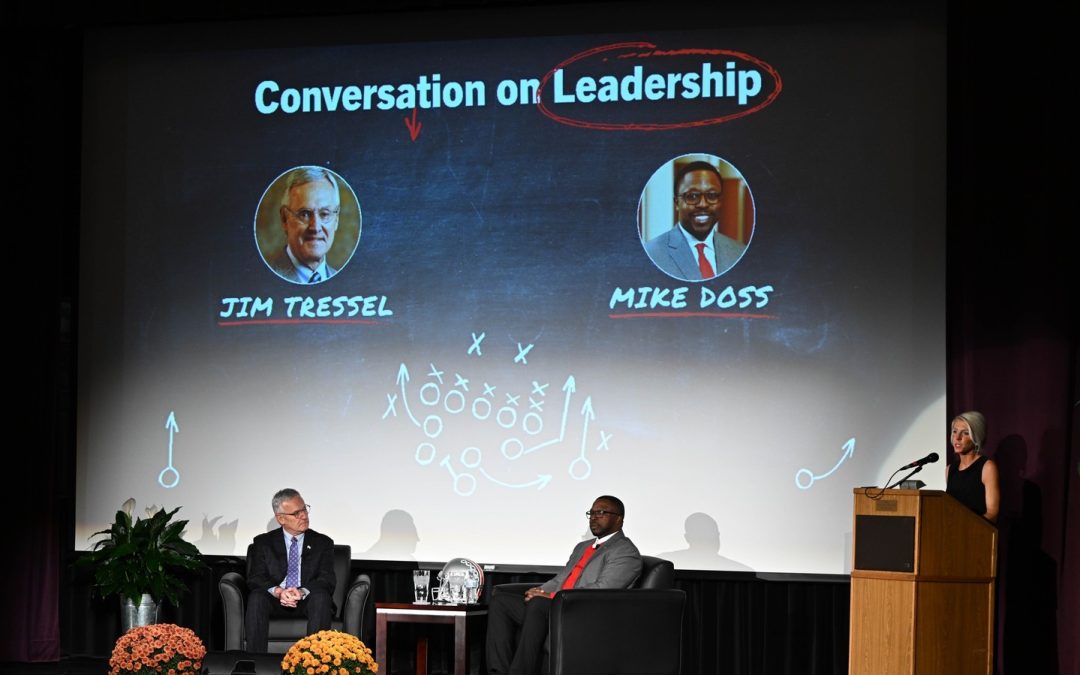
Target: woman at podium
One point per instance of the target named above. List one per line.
(974, 480)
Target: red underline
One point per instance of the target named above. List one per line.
(681, 315)
(280, 322)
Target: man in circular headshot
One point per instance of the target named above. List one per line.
(695, 249)
(309, 215)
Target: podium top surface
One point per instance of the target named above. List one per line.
(866, 491)
(927, 532)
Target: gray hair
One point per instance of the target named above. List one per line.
(283, 496)
(303, 175)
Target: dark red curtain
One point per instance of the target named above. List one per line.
(1012, 318)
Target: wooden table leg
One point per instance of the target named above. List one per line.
(421, 655)
(380, 643)
(461, 651)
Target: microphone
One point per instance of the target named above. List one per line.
(929, 459)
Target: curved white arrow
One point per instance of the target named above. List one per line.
(849, 450)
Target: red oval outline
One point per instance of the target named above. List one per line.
(655, 126)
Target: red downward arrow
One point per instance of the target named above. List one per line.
(413, 126)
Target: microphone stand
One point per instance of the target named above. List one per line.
(917, 470)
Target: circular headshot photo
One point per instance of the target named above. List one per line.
(696, 217)
(307, 225)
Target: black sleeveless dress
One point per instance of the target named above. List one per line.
(967, 487)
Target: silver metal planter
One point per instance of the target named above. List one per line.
(142, 614)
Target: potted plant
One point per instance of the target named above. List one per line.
(331, 652)
(156, 649)
(138, 560)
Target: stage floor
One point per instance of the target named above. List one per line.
(69, 666)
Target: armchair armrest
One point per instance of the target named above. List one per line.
(515, 589)
(233, 590)
(630, 632)
(357, 605)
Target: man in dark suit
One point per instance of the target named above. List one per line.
(290, 572)
(609, 561)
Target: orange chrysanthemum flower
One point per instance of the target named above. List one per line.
(159, 648)
(329, 652)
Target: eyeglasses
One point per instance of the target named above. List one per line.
(600, 514)
(307, 216)
(694, 197)
(297, 513)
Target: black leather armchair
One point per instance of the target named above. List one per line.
(637, 631)
(352, 601)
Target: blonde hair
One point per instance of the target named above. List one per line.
(977, 425)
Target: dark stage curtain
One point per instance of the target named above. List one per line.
(1012, 326)
(748, 625)
(39, 349)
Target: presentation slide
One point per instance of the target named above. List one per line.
(454, 290)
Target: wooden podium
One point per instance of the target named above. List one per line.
(922, 585)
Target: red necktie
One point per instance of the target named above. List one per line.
(703, 263)
(576, 572)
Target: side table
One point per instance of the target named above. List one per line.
(468, 621)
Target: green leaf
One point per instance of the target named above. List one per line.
(142, 556)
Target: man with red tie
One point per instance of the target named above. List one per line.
(609, 561)
(695, 249)
(290, 573)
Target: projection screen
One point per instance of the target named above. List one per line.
(511, 315)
